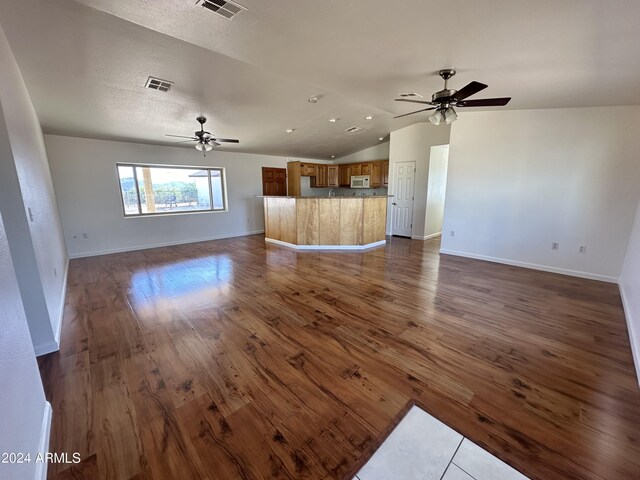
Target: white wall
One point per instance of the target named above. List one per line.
(377, 152)
(37, 245)
(436, 189)
(84, 173)
(413, 143)
(24, 411)
(630, 289)
(520, 180)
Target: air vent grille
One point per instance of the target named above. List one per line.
(225, 8)
(158, 84)
(353, 129)
(409, 95)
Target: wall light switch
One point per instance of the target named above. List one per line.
(30, 214)
(555, 246)
(582, 249)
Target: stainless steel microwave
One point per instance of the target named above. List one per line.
(359, 181)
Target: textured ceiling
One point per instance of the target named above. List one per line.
(85, 64)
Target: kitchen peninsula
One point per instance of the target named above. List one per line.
(344, 223)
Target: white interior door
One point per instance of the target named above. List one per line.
(402, 202)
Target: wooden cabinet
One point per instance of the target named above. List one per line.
(320, 179)
(376, 175)
(385, 173)
(308, 169)
(293, 179)
(334, 176)
(333, 173)
(345, 175)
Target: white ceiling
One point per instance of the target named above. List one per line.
(85, 64)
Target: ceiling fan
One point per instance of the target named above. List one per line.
(206, 141)
(444, 101)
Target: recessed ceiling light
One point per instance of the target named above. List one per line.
(381, 138)
(333, 156)
(290, 130)
(333, 120)
(369, 117)
(313, 100)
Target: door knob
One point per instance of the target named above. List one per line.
(394, 203)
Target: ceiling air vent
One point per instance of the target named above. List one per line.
(409, 95)
(225, 8)
(353, 129)
(158, 84)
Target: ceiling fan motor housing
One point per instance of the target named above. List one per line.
(443, 96)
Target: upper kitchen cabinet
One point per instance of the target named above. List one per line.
(320, 178)
(308, 169)
(376, 175)
(344, 172)
(333, 174)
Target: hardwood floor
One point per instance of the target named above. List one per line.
(236, 359)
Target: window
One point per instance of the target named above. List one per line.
(161, 190)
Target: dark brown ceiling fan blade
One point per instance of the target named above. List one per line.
(226, 140)
(186, 141)
(468, 90)
(417, 111)
(485, 102)
(180, 136)
(413, 101)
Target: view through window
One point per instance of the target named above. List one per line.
(159, 189)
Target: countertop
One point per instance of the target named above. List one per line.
(326, 196)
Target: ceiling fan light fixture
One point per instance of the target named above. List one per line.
(450, 116)
(436, 117)
(204, 147)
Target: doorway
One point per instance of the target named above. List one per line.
(274, 181)
(402, 202)
(436, 190)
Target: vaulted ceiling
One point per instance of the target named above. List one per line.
(86, 63)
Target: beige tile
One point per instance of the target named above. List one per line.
(420, 447)
(481, 465)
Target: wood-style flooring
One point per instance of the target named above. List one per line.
(233, 359)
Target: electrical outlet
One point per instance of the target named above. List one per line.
(85, 236)
(582, 249)
(555, 246)
(453, 233)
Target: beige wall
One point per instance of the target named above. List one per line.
(520, 180)
(35, 238)
(414, 143)
(630, 289)
(84, 173)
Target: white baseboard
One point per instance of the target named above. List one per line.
(64, 297)
(427, 237)
(44, 348)
(635, 348)
(43, 446)
(533, 266)
(54, 345)
(159, 245)
(326, 247)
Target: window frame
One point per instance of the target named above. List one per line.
(209, 169)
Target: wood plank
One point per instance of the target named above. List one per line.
(351, 210)
(307, 221)
(329, 221)
(374, 220)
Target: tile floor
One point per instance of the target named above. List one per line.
(423, 448)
